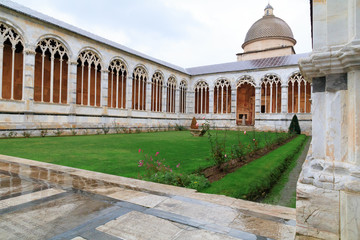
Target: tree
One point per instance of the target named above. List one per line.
(294, 125)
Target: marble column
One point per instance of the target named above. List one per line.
(284, 98)
(257, 99)
(104, 91)
(328, 190)
(129, 83)
(148, 96)
(164, 98)
(1, 63)
(72, 82)
(211, 101)
(29, 72)
(177, 100)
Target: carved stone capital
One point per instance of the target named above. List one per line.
(334, 60)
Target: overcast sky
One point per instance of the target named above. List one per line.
(187, 33)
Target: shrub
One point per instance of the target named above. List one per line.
(253, 180)
(179, 128)
(105, 129)
(73, 131)
(58, 132)
(26, 134)
(194, 124)
(217, 149)
(294, 125)
(43, 132)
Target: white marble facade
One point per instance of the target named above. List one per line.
(27, 114)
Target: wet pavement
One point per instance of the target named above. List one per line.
(45, 201)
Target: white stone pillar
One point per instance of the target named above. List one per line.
(104, 88)
(211, 101)
(177, 100)
(257, 99)
(72, 65)
(284, 99)
(29, 72)
(129, 83)
(1, 63)
(233, 100)
(164, 98)
(328, 190)
(148, 96)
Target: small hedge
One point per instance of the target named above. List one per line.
(256, 178)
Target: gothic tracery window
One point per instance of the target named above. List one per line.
(171, 94)
(299, 94)
(51, 71)
(222, 97)
(182, 99)
(201, 97)
(271, 94)
(88, 86)
(11, 75)
(139, 89)
(156, 92)
(117, 84)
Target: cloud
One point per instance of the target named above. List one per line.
(183, 32)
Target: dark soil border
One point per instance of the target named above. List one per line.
(216, 173)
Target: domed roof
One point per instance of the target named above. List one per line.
(269, 26)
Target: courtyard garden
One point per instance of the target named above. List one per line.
(241, 164)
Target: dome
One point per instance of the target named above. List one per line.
(269, 26)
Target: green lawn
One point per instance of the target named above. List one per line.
(118, 153)
(250, 181)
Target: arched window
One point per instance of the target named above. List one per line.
(271, 94)
(117, 84)
(245, 101)
(201, 97)
(222, 96)
(156, 92)
(139, 89)
(171, 93)
(11, 77)
(183, 90)
(88, 86)
(51, 71)
(299, 94)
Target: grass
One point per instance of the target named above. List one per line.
(118, 153)
(255, 178)
(274, 195)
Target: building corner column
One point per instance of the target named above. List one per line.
(29, 78)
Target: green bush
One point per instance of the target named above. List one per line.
(194, 181)
(294, 125)
(256, 178)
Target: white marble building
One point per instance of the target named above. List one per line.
(56, 76)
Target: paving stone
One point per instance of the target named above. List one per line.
(29, 197)
(139, 226)
(200, 234)
(136, 197)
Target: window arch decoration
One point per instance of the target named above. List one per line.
(271, 94)
(117, 84)
(299, 94)
(222, 96)
(171, 94)
(201, 97)
(183, 90)
(88, 89)
(157, 82)
(245, 79)
(51, 71)
(11, 71)
(139, 88)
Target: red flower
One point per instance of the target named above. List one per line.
(157, 153)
